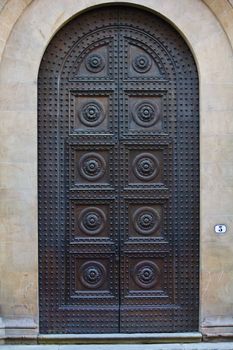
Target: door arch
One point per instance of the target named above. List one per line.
(118, 176)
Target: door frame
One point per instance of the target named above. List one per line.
(214, 98)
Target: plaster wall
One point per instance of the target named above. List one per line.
(26, 28)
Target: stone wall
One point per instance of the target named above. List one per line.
(26, 28)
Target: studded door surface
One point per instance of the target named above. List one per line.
(118, 177)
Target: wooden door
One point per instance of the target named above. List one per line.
(118, 177)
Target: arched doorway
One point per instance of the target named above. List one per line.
(118, 177)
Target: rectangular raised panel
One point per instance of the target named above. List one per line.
(145, 221)
(91, 113)
(93, 280)
(92, 166)
(92, 220)
(147, 277)
(147, 165)
(93, 276)
(145, 114)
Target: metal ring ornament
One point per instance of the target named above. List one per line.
(146, 166)
(95, 63)
(92, 221)
(142, 63)
(146, 220)
(146, 114)
(92, 114)
(92, 166)
(92, 274)
(145, 274)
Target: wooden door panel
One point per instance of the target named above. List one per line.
(118, 177)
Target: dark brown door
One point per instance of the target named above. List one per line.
(118, 177)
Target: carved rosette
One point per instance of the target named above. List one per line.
(142, 63)
(146, 221)
(145, 166)
(92, 221)
(92, 274)
(146, 114)
(92, 166)
(95, 63)
(92, 114)
(145, 274)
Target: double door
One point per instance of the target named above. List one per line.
(118, 177)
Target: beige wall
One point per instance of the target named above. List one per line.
(26, 27)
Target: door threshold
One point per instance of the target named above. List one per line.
(120, 338)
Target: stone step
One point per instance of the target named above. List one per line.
(194, 346)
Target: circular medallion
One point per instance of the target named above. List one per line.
(92, 166)
(92, 114)
(146, 114)
(95, 63)
(92, 220)
(146, 274)
(146, 221)
(145, 166)
(92, 274)
(142, 63)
